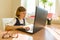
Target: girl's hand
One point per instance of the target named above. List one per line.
(26, 28)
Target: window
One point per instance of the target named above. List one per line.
(48, 7)
(29, 5)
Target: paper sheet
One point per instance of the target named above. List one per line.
(23, 37)
(31, 28)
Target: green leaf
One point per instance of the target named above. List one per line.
(44, 1)
(50, 3)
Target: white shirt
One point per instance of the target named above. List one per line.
(21, 21)
(14, 21)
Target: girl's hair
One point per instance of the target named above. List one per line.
(20, 9)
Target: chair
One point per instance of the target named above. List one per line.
(6, 21)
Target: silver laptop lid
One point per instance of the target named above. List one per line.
(40, 17)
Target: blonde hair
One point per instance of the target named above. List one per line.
(20, 9)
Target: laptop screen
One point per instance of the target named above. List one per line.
(40, 17)
(39, 20)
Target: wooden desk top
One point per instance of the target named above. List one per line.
(41, 35)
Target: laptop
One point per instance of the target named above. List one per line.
(39, 20)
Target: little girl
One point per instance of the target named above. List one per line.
(19, 22)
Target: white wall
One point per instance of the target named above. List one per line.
(7, 9)
(58, 7)
(15, 5)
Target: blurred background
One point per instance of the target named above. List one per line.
(8, 9)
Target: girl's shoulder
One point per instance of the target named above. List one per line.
(14, 19)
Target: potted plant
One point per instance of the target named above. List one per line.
(44, 2)
(49, 17)
(50, 5)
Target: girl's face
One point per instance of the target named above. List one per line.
(22, 14)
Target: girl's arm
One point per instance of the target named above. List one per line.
(8, 28)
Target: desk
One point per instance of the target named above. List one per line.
(41, 35)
